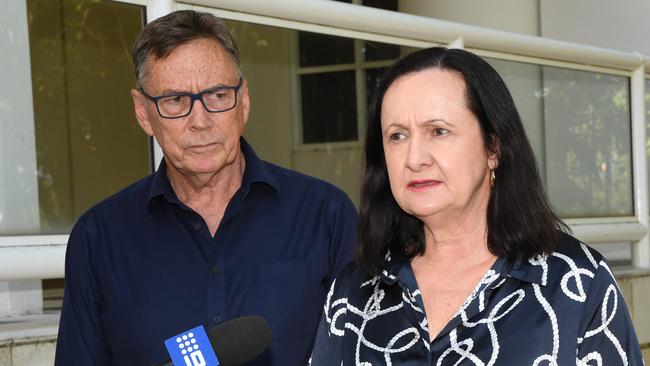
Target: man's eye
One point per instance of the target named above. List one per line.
(218, 94)
(173, 100)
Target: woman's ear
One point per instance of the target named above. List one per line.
(494, 153)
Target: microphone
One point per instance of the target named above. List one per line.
(237, 341)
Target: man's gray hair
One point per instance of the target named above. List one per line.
(162, 36)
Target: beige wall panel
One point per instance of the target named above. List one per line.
(34, 354)
(641, 306)
(5, 354)
(625, 284)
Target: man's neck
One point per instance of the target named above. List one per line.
(208, 195)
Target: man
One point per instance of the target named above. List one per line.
(214, 234)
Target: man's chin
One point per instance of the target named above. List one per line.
(207, 167)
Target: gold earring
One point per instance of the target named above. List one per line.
(493, 177)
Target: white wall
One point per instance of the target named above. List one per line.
(519, 16)
(620, 25)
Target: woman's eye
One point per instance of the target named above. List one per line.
(396, 136)
(440, 131)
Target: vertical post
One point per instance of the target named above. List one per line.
(155, 10)
(19, 209)
(641, 248)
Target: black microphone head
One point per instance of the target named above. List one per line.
(240, 340)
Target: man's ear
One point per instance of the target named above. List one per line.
(141, 112)
(494, 153)
(245, 101)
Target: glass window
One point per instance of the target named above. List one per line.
(578, 123)
(294, 103)
(88, 143)
(328, 103)
(319, 49)
(373, 77)
(588, 154)
(525, 84)
(376, 51)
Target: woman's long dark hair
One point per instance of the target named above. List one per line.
(520, 222)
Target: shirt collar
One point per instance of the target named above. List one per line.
(255, 172)
(532, 271)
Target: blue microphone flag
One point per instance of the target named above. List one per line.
(191, 348)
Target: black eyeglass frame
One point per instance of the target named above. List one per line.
(194, 97)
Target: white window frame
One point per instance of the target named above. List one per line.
(41, 256)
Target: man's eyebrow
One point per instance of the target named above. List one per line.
(185, 92)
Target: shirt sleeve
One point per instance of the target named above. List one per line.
(80, 340)
(343, 229)
(608, 336)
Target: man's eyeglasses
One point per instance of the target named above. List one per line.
(215, 100)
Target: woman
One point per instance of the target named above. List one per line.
(460, 259)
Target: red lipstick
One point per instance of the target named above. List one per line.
(421, 185)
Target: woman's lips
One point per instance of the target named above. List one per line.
(421, 185)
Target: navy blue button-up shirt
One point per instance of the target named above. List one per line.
(142, 267)
(562, 309)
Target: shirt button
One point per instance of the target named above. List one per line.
(197, 225)
(217, 319)
(215, 270)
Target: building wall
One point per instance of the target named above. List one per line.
(621, 25)
(519, 16)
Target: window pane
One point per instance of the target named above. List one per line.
(329, 111)
(381, 4)
(373, 77)
(588, 143)
(88, 143)
(375, 51)
(320, 49)
(578, 124)
(524, 82)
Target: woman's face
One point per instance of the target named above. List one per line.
(436, 159)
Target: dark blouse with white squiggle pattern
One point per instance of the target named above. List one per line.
(561, 309)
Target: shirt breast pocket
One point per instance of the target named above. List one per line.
(288, 294)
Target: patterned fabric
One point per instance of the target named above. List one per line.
(562, 309)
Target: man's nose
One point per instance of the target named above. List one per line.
(199, 118)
